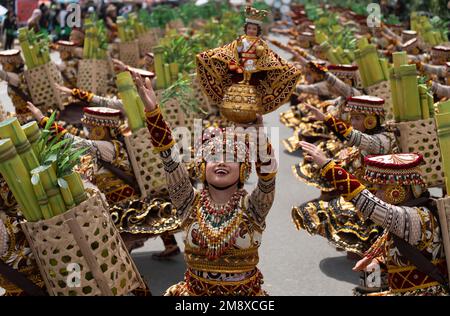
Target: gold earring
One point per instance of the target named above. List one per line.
(395, 194)
(370, 122)
(242, 173)
(97, 133)
(202, 172)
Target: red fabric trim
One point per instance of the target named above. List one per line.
(369, 162)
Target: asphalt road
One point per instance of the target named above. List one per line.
(292, 262)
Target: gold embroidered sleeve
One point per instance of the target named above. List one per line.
(160, 133)
(345, 184)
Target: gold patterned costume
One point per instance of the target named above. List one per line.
(335, 219)
(221, 241)
(14, 248)
(275, 79)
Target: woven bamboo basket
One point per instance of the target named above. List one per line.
(147, 165)
(83, 239)
(383, 90)
(147, 41)
(41, 84)
(444, 220)
(421, 137)
(93, 75)
(129, 53)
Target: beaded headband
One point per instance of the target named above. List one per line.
(365, 104)
(402, 169)
(101, 116)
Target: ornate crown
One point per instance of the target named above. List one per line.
(255, 16)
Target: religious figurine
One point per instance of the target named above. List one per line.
(246, 76)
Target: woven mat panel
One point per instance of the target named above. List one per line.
(93, 76)
(383, 90)
(84, 236)
(147, 165)
(421, 137)
(129, 53)
(147, 41)
(41, 84)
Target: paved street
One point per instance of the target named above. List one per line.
(292, 262)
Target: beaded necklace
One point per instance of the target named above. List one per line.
(218, 224)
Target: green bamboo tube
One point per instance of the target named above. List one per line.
(361, 68)
(326, 47)
(167, 75)
(408, 77)
(158, 52)
(339, 52)
(66, 194)
(33, 132)
(399, 93)
(17, 177)
(11, 128)
(25, 47)
(41, 196)
(76, 187)
(49, 181)
(87, 45)
(320, 37)
(394, 94)
(362, 43)
(424, 101)
(399, 58)
(443, 131)
(384, 68)
(431, 109)
(128, 93)
(369, 55)
(140, 107)
(174, 69)
(121, 30)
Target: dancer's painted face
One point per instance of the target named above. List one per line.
(222, 174)
(357, 121)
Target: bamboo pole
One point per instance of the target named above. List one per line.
(411, 104)
(158, 52)
(33, 132)
(41, 196)
(17, 177)
(66, 194)
(128, 94)
(11, 128)
(76, 187)
(49, 181)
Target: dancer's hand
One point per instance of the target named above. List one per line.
(63, 90)
(366, 264)
(119, 65)
(37, 113)
(317, 114)
(146, 92)
(317, 155)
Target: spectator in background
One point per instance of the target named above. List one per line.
(45, 17)
(10, 28)
(110, 22)
(33, 21)
(64, 29)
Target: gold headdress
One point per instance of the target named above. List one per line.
(255, 16)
